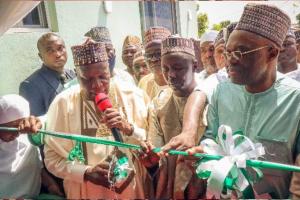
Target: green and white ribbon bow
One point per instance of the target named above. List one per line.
(229, 172)
(121, 170)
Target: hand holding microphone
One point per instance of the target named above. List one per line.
(112, 117)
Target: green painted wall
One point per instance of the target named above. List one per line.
(18, 59)
(71, 19)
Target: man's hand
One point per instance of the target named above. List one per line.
(30, 125)
(113, 119)
(98, 175)
(191, 159)
(194, 150)
(147, 157)
(180, 142)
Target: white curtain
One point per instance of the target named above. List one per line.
(12, 11)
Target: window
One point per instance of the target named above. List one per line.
(35, 19)
(158, 13)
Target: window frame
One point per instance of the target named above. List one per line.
(45, 25)
(174, 12)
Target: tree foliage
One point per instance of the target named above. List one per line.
(202, 21)
(221, 25)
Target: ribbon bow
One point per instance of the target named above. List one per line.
(228, 173)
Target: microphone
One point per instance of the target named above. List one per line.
(102, 101)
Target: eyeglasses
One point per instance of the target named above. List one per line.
(237, 55)
(153, 57)
(287, 44)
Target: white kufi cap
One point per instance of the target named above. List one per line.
(13, 107)
(209, 36)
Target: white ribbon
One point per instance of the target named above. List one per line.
(235, 155)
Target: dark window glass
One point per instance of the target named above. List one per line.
(160, 13)
(35, 19)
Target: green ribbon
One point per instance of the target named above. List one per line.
(82, 138)
(229, 174)
(120, 170)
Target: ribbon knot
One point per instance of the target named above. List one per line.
(229, 172)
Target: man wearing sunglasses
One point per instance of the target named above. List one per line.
(261, 103)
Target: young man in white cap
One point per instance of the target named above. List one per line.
(20, 164)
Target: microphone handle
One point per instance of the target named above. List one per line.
(117, 135)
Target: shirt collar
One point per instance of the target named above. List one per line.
(279, 76)
(51, 71)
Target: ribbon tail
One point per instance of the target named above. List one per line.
(248, 192)
(215, 183)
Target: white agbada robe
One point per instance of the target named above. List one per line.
(20, 169)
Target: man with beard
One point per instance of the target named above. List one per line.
(287, 60)
(174, 180)
(154, 82)
(211, 82)
(121, 77)
(207, 54)
(131, 45)
(74, 111)
(258, 101)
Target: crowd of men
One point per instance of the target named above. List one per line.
(173, 93)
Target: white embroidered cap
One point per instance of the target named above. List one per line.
(209, 36)
(13, 107)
